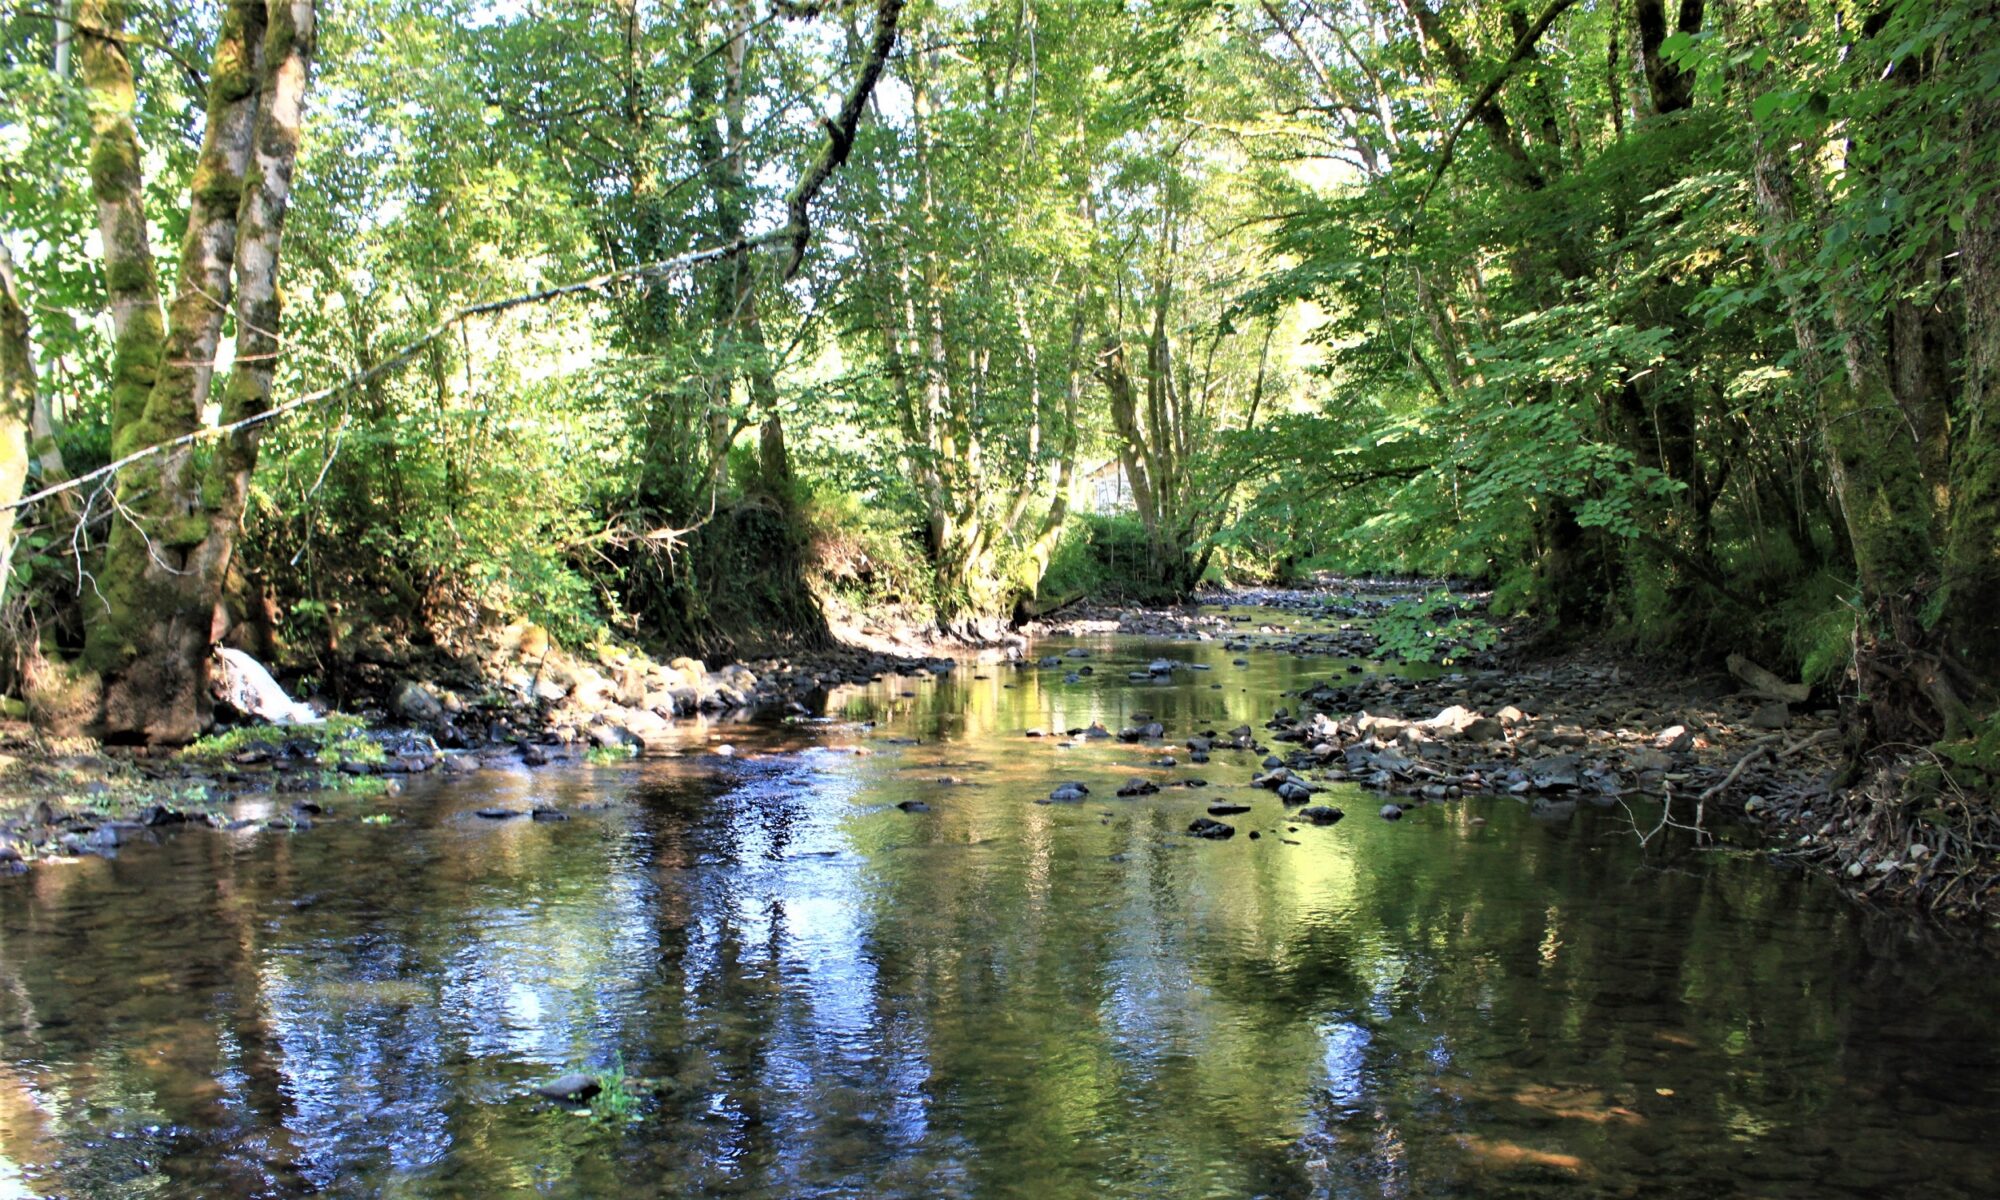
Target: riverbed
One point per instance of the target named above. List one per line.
(861, 955)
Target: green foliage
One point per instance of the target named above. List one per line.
(1571, 360)
(338, 738)
(616, 1102)
(869, 556)
(1431, 628)
(1104, 555)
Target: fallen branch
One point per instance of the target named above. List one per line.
(1762, 747)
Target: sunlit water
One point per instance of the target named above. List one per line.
(828, 995)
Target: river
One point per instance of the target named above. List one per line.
(813, 992)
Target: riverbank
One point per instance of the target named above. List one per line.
(507, 699)
(1694, 752)
(1595, 725)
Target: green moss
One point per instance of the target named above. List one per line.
(128, 275)
(1973, 762)
(215, 185)
(339, 734)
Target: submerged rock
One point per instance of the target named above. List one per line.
(571, 1089)
(1138, 787)
(1202, 827)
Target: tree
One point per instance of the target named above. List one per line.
(161, 579)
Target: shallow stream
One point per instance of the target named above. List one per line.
(813, 992)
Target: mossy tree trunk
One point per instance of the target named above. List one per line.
(1919, 517)
(1972, 542)
(164, 565)
(17, 408)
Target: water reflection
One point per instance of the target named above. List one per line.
(827, 995)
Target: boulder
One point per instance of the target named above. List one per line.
(1204, 827)
(1321, 814)
(413, 702)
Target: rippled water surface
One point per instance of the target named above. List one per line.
(817, 993)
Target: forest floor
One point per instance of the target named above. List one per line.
(1552, 727)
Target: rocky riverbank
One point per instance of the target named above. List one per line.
(1690, 751)
(511, 700)
(1694, 752)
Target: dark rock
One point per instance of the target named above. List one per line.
(1484, 729)
(414, 702)
(1320, 814)
(1202, 827)
(1227, 808)
(1555, 772)
(548, 814)
(1772, 714)
(1069, 793)
(1138, 787)
(914, 806)
(1392, 812)
(498, 814)
(570, 1089)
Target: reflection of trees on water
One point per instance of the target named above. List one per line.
(996, 997)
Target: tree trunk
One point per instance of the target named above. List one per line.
(17, 408)
(164, 568)
(1972, 545)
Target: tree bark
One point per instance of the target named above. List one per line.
(17, 408)
(165, 565)
(1972, 545)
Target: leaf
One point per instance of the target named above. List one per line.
(1762, 108)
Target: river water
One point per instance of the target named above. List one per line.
(813, 992)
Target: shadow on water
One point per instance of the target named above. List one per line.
(816, 992)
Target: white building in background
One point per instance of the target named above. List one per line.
(1106, 489)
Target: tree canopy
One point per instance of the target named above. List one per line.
(682, 322)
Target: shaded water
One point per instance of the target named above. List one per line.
(827, 995)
